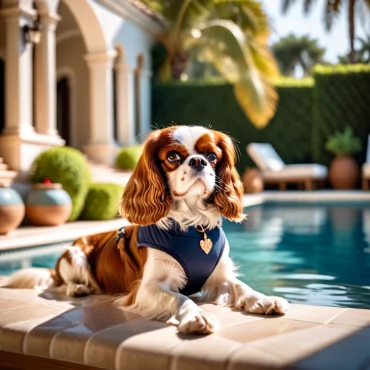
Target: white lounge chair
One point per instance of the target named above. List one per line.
(366, 168)
(274, 170)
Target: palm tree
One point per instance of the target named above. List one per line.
(230, 34)
(331, 12)
(291, 51)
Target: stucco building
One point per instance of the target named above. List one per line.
(86, 83)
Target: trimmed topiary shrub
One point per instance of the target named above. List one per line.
(67, 166)
(341, 99)
(102, 202)
(128, 157)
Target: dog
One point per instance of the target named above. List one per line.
(184, 183)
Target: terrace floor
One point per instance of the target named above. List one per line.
(51, 332)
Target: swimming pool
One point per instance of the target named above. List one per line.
(309, 253)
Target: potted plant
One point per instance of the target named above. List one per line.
(252, 180)
(344, 171)
(48, 204)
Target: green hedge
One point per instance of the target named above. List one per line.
(67, 166)
(341, 98)
(214, 105)
(102, 202)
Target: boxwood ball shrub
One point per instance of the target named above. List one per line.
(67, 166)
(128, 157)
(102, 202)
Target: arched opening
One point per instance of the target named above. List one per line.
(2, 95)
(63, 109)
(138, 102)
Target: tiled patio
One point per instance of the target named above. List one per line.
(95, 333)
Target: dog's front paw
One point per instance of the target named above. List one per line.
(198, 322)
(77, 290)
(265, 305)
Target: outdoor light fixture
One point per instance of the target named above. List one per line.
(32, 34)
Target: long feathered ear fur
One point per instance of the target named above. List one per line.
(229, 198)
(145, 200)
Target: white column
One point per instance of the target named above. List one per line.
(101, 145)
(45, 81)
(125, 104)
(18, 72)
(145, 102)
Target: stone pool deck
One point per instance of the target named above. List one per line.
(53, 332)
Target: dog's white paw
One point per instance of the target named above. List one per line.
(198, 322)
(264, 305)
(77, 290)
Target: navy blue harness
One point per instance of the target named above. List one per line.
(184, 246)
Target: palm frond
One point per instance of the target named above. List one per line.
(286, 5)
(224, 44)
(307, 6)
(332, 12)
(249, 15)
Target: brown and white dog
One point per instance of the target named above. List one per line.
(186, 175)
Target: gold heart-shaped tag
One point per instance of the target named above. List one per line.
(206, 244)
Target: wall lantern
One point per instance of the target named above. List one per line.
(32, 34)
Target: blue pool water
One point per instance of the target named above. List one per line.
(312, 254)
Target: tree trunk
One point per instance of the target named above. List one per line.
(179, 63)
(351, 24)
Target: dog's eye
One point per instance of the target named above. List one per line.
(173, 157)
(212, 157)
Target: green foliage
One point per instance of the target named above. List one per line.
(343, 143)
(102, 202)
(341, 98)
(128, 157)
(67, 166)
(214, 105)
(291, 51)
(229, 34)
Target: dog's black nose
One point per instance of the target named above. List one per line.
(197, 163)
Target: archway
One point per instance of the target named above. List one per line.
(63, 109)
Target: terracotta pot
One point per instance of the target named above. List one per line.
(48, 205)
(344, 173)
(11, 209)
(253, 181)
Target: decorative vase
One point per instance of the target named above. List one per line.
(48, 204)
(344, 173)
(11, 209)
(253, 181)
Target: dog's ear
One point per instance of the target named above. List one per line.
(145, 199)
(229, 197)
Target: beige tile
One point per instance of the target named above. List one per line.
(300, 344)
(203, 353)
(10, 303)
(319, 314)
(101, 349)
(27, 312)
(227, 317)
(349, 353)
(51, 298)
(69, 345)
(353, 317)
(12, 335)
(262, 329)
(38, 340)
(249, 358)
(154, 348)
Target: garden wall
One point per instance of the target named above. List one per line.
(307, 113)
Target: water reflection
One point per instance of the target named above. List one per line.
(314, 254)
